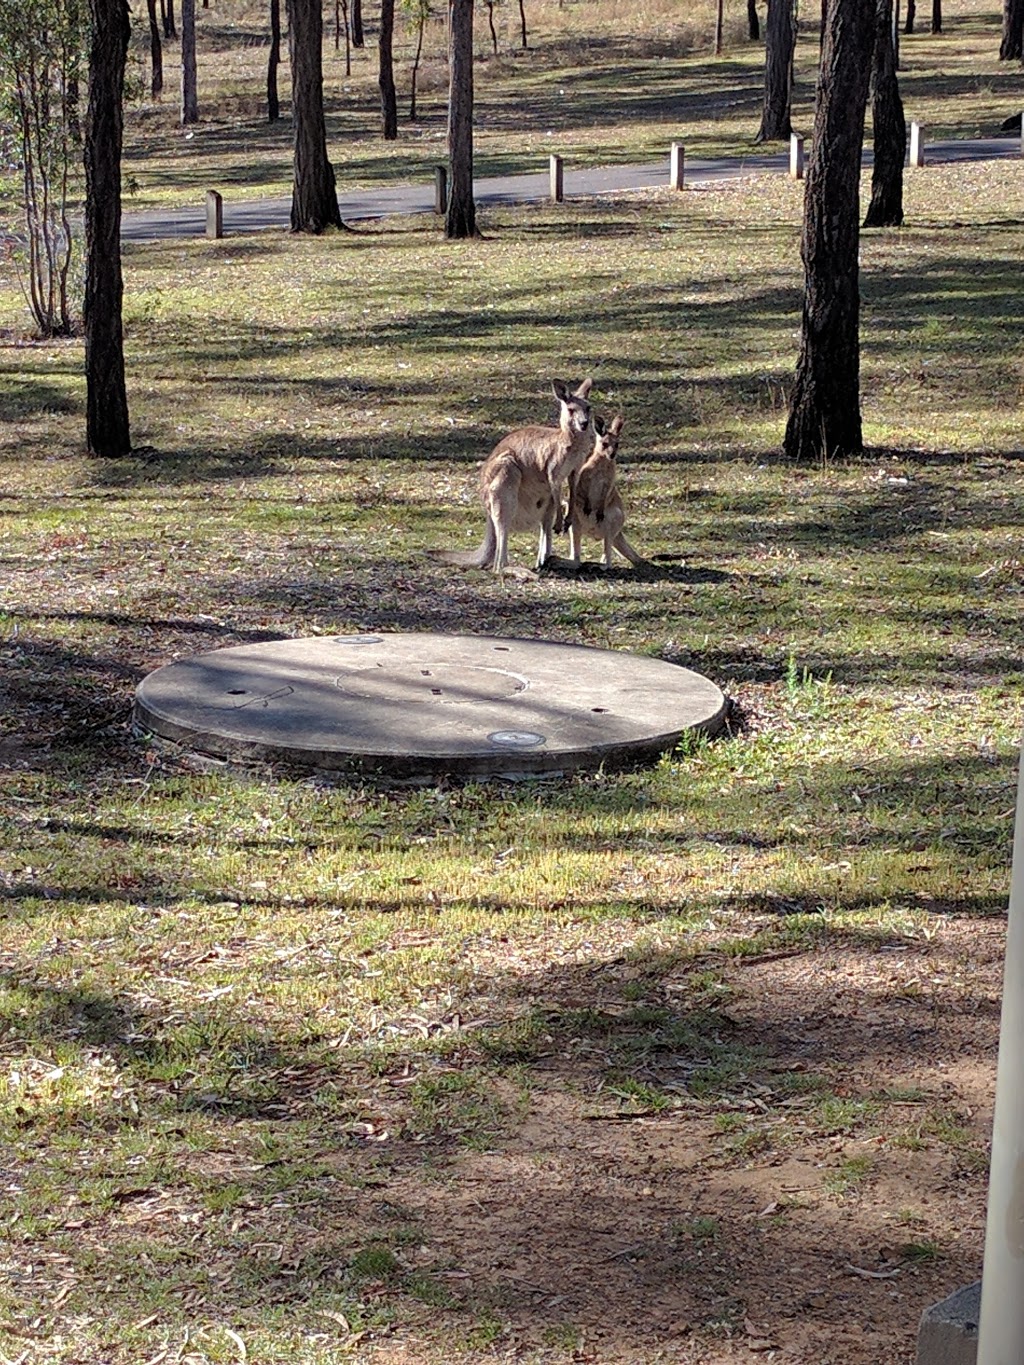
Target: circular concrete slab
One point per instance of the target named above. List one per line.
(407, 704)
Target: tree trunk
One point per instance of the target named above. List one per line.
(169, 30)
(386, 72)
(824, 416)
(490, 23)
(911, 16)
(936, 16)
(420, 26)
(156, 52)
(314, 198)
(273, 62)
(753, 23)
(890, 128)
(522, 24)
(460, 219)
(107, 430)
(1011, 48)
(780, 42)
(189, 95)
(357, 24)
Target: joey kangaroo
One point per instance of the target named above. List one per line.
(521, 481)
(595, 507)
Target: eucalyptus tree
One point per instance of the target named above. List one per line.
(1011, 46)
(156, 51)
(460, 218)
(780, 45)
(107, 428)
(824, 415)
(189, 87)
(386, 71)
(890, 126)
(41, 58)
(314, 197)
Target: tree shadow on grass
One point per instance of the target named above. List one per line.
(494, 1171)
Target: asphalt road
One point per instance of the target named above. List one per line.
(255, 215)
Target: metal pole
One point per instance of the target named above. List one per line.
(1001, 1329)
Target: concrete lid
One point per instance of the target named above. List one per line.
(421, 703)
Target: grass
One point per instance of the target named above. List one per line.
(313, 1066)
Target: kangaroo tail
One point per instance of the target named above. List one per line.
(626, 550)
(481, 558)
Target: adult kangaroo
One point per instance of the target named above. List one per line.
(521, 481)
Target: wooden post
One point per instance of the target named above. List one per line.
(214, 214)
(916, 145)
(676, 166)
(796, 157)
(556, 179)
(440, 189)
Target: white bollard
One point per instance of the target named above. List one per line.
(676, 166)
(214, 214)
(1001, 1325)
(796, 157)
(916, 145)
(556, 179)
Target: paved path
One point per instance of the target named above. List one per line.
(256, 214)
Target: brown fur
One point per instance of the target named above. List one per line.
(521, 481)
(595, 507)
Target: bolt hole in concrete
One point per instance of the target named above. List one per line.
(362, 702)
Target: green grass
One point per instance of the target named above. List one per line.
(305, 1061)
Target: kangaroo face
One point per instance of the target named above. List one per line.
(607, 442)
(575, 410)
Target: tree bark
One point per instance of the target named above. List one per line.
(156, 52)
(911, 16)
(107, 428)
(753, 23)
(273, 62)
(890, 127)
(386, 72)
(189, 93)
(1011, 48)
(824, 417)
(357, 24)
(780, 42)
(936, 16)
(460, 219)
(314, 197)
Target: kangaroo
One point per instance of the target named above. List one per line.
(521, 481)
(595, 507)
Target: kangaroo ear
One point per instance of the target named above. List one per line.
(560, 390)
(618, 421)
(598, 422)
(584, 388)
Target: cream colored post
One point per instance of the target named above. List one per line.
(676, 165)
(796, 157)
(1001, 1329)
(556, 179)
(916, 145)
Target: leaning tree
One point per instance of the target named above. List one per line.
(460, 219)
(824, 415)
(314, 197)
(106, 404)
